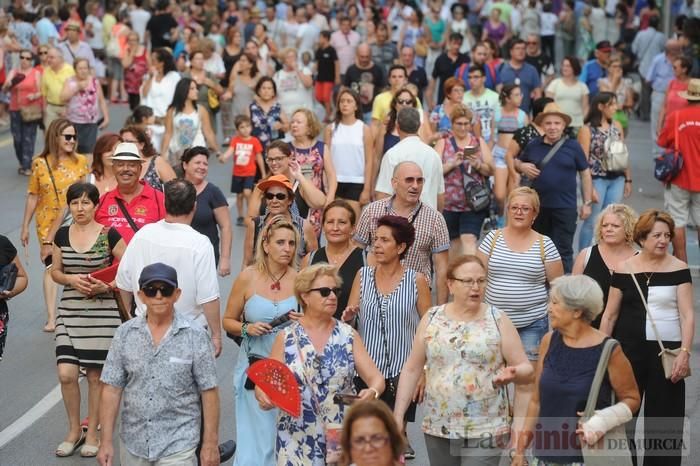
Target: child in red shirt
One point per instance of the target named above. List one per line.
(247, 152)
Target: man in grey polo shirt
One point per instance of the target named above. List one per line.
(163, 365)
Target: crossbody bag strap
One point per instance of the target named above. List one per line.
(646, 308)
(128, 218)
(552, 152)
(53, 180)
(504, 387)
(493, 241)
(600, 371)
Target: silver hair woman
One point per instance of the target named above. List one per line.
(569, 356)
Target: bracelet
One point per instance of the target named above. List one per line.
(628, 180)
(685, 349)
(376, 392)
(244, 330)
(47, 243)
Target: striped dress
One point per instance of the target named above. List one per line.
(395, 313)
(85, 326)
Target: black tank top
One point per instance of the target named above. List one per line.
(354, 262)
(598, 271)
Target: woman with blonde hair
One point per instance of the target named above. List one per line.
(57, 167)
(520, 263)
(614, 244)
(324, 355)
(261, 293)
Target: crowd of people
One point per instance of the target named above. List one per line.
(409, 180)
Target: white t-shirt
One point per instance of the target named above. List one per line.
(548, 24)
(291, 92)
(96, 42)
(412, 149)
(139, 19)
(187, 251)
(307, 35)
(215, 65)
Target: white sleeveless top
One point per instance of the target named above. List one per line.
(348, 152)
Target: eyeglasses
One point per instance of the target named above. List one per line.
(25, 58)
(470, 282)
(130, 140)
(165, 289)
(404, 101)
(275, 159)
(69, 137)
(524, 209)
(45, 52)
(325, 291)
(375, 441)
(278, 196)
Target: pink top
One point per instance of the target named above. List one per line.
(83, 106)
(673, 100)
(345, 46)
(19, 95)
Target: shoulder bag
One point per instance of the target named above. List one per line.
(476, 192)
(612, 449)
(668, 165)
(668, 356)
(67, 218)
(8, 276)
(524, 180)
(616, 157)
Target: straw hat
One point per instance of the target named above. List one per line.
(552, 109)
(693, 92)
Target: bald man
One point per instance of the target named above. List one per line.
(659, 76)
(366, 78)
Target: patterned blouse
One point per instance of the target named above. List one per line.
(52, 200)
(462, 359)
(311, 162)
(455, 199)
(301, 441)
(83, 106)
(263, 122)
(597, 150)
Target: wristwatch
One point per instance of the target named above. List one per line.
(588, 203)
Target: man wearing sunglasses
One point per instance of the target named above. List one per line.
(163, 365)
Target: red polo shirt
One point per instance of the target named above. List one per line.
(687, 122)
(147, 207)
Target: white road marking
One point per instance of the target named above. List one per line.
(5, 142)
(31, 416)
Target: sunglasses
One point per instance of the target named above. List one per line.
(404, 102)
(325, 291)
(25, 58)
(69, 137)
(165, 289)
(278, 196)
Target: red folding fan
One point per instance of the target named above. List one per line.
(279, 383)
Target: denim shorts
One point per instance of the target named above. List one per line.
(531, 336)
(499, 156)
(464, 223)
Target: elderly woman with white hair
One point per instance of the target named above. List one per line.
(613, 235)
(569, 356)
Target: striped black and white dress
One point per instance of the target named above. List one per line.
(397, 311)
(517, 280)
(85, 326)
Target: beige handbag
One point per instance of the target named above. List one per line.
(668, 356)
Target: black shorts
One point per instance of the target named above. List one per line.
(349, 191)
(464, 223)
(239, 183)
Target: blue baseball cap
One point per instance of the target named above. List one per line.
(158, 272)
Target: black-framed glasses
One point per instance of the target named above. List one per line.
(278, 196)
(166, 290)
(375, 441)
(276, 159)
(325, 291)
(69, 137)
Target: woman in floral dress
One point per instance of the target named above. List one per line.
(471, 351)
(324, 355)
(269, 122)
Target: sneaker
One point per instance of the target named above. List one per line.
(410, 453)
(239, 221)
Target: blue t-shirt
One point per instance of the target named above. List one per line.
(590, 74)
(556, 184)
(526, 77)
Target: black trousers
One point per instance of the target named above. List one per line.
(560, 226)
(664, 406)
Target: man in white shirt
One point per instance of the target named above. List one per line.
(139, 19)
(174, 242)
(307, 33)
(411, 149)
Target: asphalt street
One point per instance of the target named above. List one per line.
(32, 417)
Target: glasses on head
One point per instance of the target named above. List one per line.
(517, 208)
(69, 137)
(165, 290)
(375, 441)
(278, 196)
(325, 291)
(275, 159)
(25, 57)
(404, 101)
(470, 282)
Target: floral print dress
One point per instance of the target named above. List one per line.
(301, 441)
(263, 123)
(311, 162)
(462, 359)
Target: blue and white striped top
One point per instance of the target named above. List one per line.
(399, 313)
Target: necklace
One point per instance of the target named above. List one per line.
(648, 277)
(340, 257)
(275, 286)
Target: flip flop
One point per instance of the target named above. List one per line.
(66, 449)
(89, 451)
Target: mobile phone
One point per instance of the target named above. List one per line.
(470, 150)
(345, 398)
(277, 321)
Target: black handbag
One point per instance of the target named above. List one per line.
(249, 384)
(8, 277)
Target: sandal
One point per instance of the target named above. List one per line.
(89, 451)
(66, 449)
